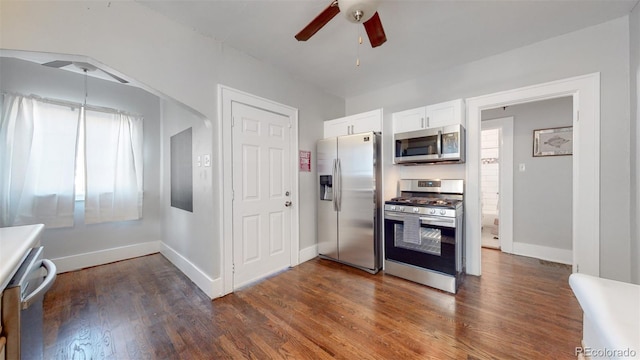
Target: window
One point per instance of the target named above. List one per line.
(52, 153)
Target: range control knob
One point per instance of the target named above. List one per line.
(401, 208)
(442, 212)
(432, 211)
(393, 207)
(416, 209)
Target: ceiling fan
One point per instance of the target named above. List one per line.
(356, 11)
(84, 67)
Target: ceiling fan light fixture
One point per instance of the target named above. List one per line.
(358, 11)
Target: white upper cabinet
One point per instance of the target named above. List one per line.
(446, 113)
(354, 124)
(436, 115)
(409, 120)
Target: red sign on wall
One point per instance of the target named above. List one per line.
(305, 160)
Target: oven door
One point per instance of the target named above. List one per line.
(425, 241)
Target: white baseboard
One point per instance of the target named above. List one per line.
(212, 287)
(101, 257)
(308, 253)
(562, 256)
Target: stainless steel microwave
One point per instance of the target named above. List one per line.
(442, 144)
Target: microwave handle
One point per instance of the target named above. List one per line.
(439, 143)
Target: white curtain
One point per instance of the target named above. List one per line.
(113, 167)
(37, 162)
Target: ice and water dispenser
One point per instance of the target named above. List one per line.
(326, 187)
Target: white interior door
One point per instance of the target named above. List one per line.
(490, 176)
(261, 193)
(504, 205)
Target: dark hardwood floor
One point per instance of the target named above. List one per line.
(144, 308)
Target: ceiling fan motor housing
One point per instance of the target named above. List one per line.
(358, 11)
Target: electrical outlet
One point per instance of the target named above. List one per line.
(521, 167)
(198, 162)
(207, 160)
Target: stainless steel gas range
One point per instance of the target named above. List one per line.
(423, 233)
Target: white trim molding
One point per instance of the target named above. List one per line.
(585, 91)
(308, 253)
(563, 256)
(211, 287)
(101, 257)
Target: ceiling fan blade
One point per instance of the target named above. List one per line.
(57, 63)
(321, 20)
(121, 80)
(375, 31)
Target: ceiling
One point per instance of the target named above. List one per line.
(423, 36)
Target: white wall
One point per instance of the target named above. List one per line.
(634, 37)
(183, 65)
(71, 243)
(542, 194)
(602, 48)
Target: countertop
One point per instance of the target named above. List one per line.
(14, 243)
(612, 307)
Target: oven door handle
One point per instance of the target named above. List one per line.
(430, 220)
(44, 287)
(393, 216)
(426, 220)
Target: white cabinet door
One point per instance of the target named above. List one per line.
(354, 124)
(446, 113)
(337, 127)
(365, 122)
(409, 120)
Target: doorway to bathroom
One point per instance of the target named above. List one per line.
(496, 171)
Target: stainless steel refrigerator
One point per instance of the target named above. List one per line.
(349, 204)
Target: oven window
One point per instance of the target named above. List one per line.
(426, 145)
(427, 242)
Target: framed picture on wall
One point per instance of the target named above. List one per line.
(553, 141)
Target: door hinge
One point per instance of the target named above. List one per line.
(289, 125)
(577, 268)
(233, 268)
(233, 121)
(233, 195)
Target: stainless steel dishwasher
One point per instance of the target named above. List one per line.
(22, 314)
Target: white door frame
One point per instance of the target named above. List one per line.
(585, 91)
(227, 96)
(505, 182)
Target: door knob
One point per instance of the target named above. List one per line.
(287, 203)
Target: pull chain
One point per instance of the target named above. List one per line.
(86, 90)
(358, 48)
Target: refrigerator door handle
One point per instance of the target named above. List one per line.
(334, 174)
(339, 181)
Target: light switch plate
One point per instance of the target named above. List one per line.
(521, 167)
(198, 162)
(207, 160)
